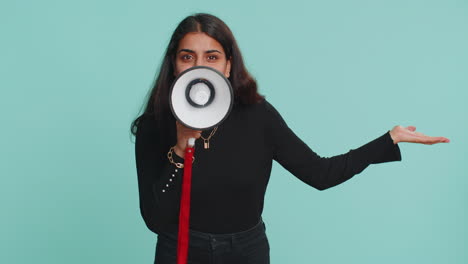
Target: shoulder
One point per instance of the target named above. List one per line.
(269, 111)
(145, 123)
(151, 128)
(264, 112)
(263, 106)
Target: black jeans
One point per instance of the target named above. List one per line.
(246, 247)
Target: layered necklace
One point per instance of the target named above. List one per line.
(206, 141)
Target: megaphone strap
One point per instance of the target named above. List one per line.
(184, 213)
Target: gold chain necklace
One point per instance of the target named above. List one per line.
(207, 140)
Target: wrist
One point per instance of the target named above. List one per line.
(393, 136)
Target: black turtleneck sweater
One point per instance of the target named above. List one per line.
(230, 178)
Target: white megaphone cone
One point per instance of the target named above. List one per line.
(201, 98)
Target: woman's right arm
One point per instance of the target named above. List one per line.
(159, 181)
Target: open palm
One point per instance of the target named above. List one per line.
(409, 134)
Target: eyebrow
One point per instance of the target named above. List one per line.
(191, 51)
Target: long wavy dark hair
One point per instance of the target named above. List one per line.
(244, 86)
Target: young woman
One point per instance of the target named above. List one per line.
(230, 177)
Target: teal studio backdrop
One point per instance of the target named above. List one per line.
(74, 74)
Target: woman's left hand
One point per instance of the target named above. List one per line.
(409, 134)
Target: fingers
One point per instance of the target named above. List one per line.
(443, 140)
(409, 134)
(189, 133)
(434, 140)
(184, 128)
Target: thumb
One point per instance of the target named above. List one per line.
(411, 128)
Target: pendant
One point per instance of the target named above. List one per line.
(206, 144)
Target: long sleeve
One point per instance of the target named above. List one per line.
(322, 172)
(159, 181)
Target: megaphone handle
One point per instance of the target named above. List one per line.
(184, 213)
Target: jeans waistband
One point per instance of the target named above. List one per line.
(201, 238)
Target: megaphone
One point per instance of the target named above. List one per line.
(201, 98)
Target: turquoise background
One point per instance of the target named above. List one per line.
(74, 74)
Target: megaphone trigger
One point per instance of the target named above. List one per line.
(191, 142)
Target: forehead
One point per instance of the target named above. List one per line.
(199, 41)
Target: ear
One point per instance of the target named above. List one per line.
(227, 73)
